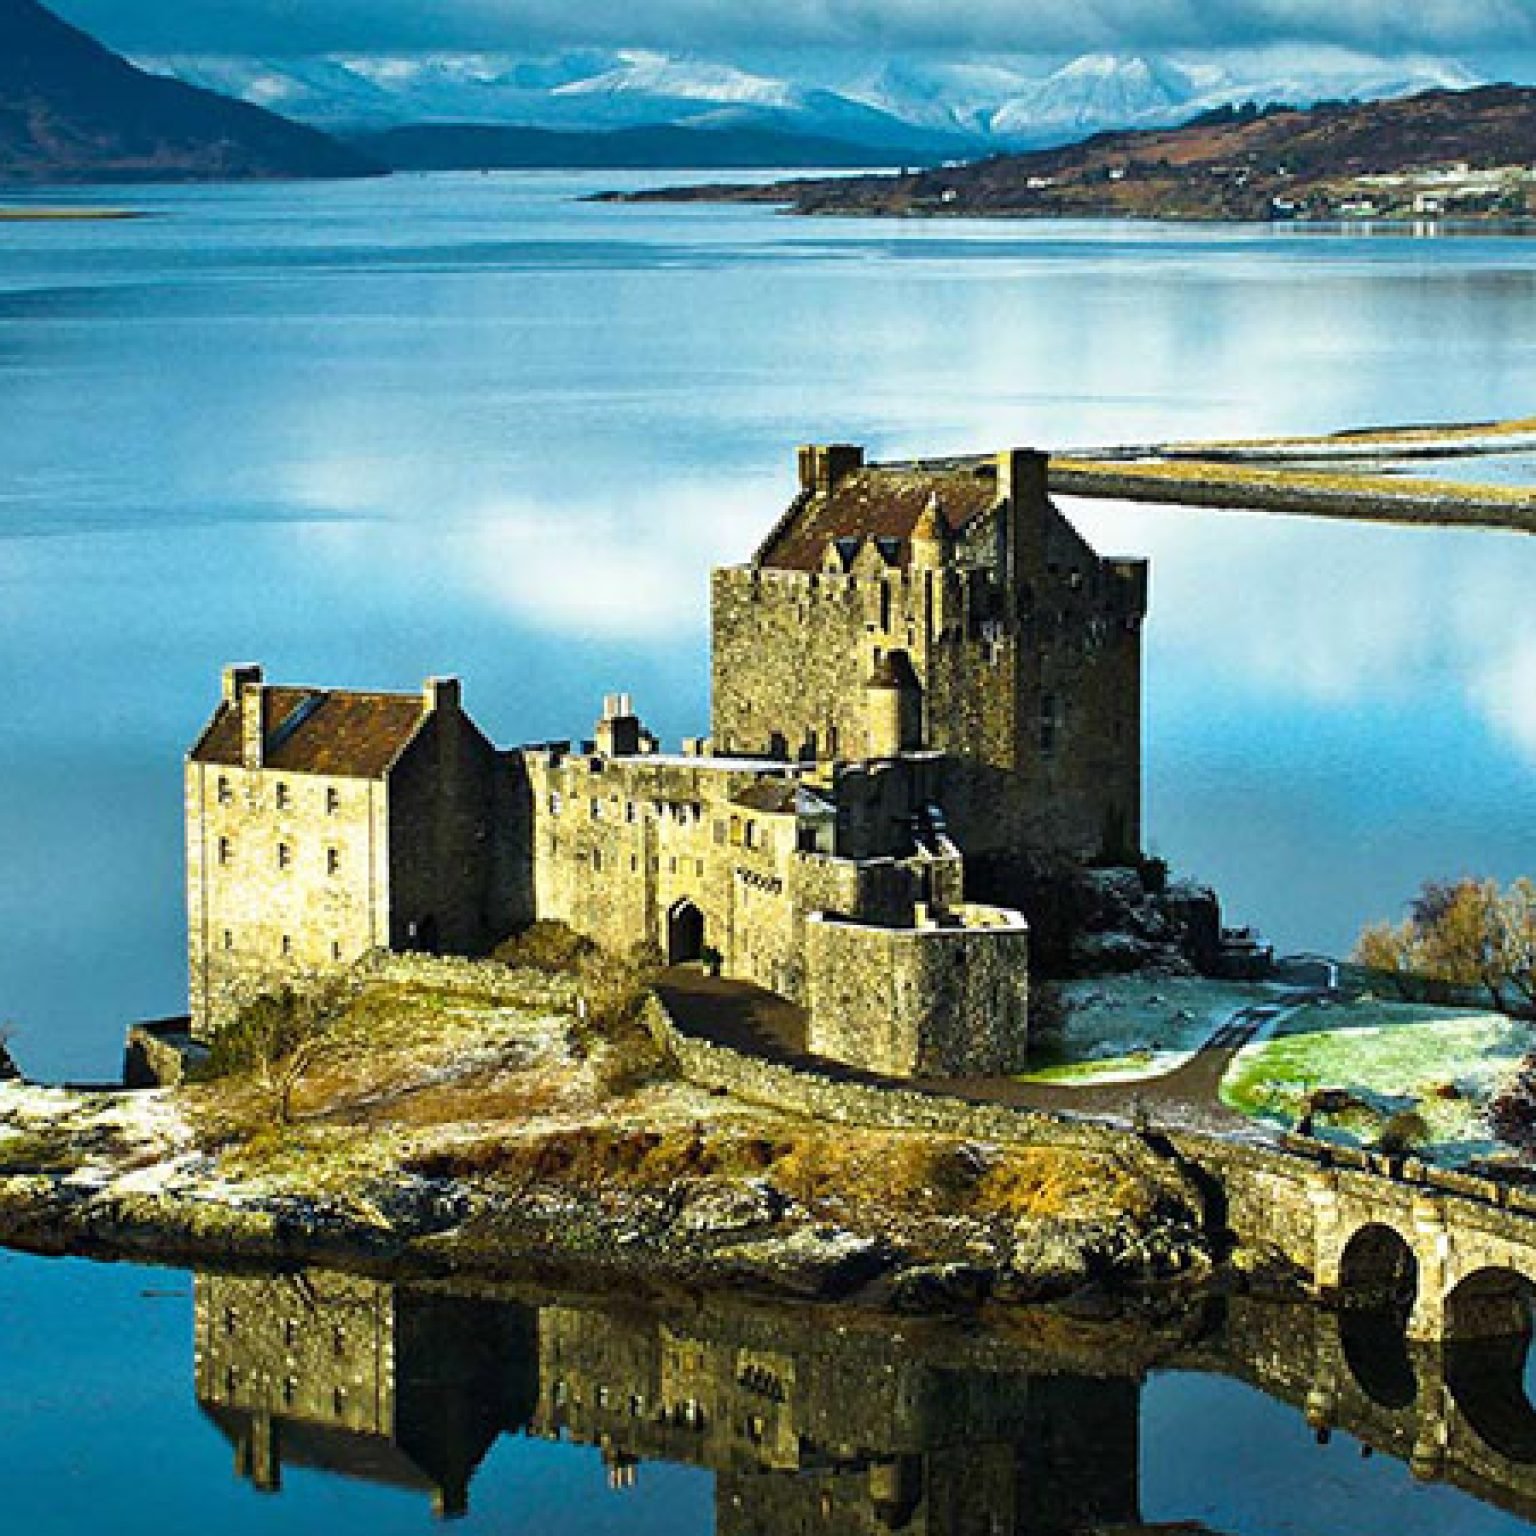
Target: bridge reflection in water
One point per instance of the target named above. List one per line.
(837, 1422)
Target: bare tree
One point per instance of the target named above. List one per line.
(1462, 933)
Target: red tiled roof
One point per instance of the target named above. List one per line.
(880, 504)
(321, 731)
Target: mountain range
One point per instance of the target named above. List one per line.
(945, 107)
(71, 110)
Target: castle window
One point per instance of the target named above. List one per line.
(332, 801)
(634, 864)
(284, 855)
(290, 1389)
(287, 944)
(719, 834)
(735, 831)
(751, 834)
(231, 1320)
(339, 1342)
(554, 802)
(885, 606)
(333, 861)
(597, 810)
(698, 868)
(335, 949)
(225, 793)
(229, 939)
(672, 866)
(284, 799)
(226, 850)
(630, 812)
(597, 858)
(339, 1401)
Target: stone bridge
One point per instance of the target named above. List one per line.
(1449, 1255)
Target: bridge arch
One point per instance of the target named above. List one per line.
(1378, 1288)
(1379, 1273)
(1488, 1333)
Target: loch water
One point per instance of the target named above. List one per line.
(155, 1401)
(368, 432)
(476, 425)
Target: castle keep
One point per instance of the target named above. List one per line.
(925, 683)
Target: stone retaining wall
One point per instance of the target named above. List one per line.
(840, 1100)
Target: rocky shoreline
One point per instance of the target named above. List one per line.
(470, 1125)
(744, 1234)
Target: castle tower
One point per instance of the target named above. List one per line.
(893, 699)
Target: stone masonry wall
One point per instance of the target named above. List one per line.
(948, 1002)
(445, 797)
(287, 876)
(621, 845)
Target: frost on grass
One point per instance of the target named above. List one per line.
(1384, 1059)
(1122, 1029)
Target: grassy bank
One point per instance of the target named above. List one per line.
(466, 1120)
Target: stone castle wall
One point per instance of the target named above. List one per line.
(929, 1002)
(622, 847)
(288, 876)
(294, 875)
(1026, 645)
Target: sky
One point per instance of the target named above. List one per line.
(1497, 36)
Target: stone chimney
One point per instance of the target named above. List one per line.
(445, 694)
(1023, 480)
(237, 678)
(245, 691)
(618, 732)
(823, 465)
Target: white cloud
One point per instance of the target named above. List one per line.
(1341, 615)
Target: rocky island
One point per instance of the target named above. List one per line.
(773, 1009)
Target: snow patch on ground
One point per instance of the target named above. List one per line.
(1125, 1029)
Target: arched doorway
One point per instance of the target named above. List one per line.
(685, 934)
(1378, 1286)
(1488, 1330)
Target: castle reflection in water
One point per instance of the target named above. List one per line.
(813, 1420)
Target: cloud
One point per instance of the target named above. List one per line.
(1016, 27)
(1340, 616)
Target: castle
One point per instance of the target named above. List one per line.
(925, 683)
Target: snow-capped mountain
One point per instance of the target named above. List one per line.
(1013, 109)
(964, 106)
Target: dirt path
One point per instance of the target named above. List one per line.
(747, 1019)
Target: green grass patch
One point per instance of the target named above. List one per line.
(1390, 1057)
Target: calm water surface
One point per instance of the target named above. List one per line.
(363, 433)
(159, 1402)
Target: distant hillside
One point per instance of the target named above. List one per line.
(1442, 152)
(470, 147)
(71, 110)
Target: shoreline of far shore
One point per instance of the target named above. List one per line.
(24, 215)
